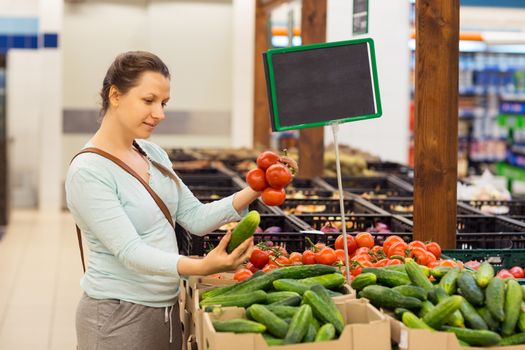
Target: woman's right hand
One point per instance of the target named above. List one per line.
(218, 260)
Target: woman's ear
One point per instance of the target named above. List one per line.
(114, 96)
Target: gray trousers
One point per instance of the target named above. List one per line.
(111, 324)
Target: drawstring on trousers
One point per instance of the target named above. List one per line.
(167, 317)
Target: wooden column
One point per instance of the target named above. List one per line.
(436, 121)
(311, 141)
(261, 119)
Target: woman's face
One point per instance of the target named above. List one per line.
(141, 109)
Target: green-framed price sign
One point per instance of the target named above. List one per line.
(319, 84)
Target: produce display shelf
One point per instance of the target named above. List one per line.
(405, 206)
(203, 181)
(357, 223)
(255, 205)
(499, 258)
(390, 168)
(213, 193)
(371, 186)
(291, 237)
(512, 208)
(326, 206)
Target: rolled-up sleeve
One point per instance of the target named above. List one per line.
(199, 218)
(94, 201)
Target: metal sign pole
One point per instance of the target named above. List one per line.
(335, 130)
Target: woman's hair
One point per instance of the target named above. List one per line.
(125, 71)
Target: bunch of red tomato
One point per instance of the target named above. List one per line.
(513, 272)
(270, 177)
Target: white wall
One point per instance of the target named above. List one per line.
(23, 100)
(389, 27)
(19, 8)
(194, 38)
(243, 73)
(94, 33)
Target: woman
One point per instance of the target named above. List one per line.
(131, 284)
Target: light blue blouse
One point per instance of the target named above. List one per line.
(133, 251)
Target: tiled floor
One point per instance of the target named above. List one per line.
(40, 271)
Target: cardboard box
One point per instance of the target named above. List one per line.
(197, 312)
(417, 339)
(366, 329)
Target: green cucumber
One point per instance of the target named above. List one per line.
(436, 317)
(290, 285)
(521, 318)
(299, 325)
(330, 281)
(515, 339)
(412, 321)
(513, 299)
(309, 337)
(271, 340)
(456, 319)
(323, 307)
(484, 274)
(244, 230)
(240, 300)
(449, 281)
(399, 311)
(396, 267)
(440, 271)
(472, 318)
(274, 325)
(222, 290)
(412, 291)
(388, 278)
(475, 336)
(388, 298)
(289, 301)
(265, 281)
(362, 280)
(469, 288)
(495, 298)
(238, 325)
(325, 333)
(303, 271)
(426, 306)
(277, 296)
(283, 311)
(491, 322)
(416, 275)
(523, 291)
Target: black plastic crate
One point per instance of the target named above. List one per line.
(372, 186)
(405, 206)
(499, 258)
(512, 208)
(488, 232)
(390, 168)
(255, 205)
(212, 193)
(182, 172)
(290, 236)
(358, 223)
(481, 224)
(307, 188)
(324, 206)
(218, 180)
(180, 155)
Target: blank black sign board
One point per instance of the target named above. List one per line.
(319, 84)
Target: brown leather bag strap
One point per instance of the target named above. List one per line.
(124, 166)
(79, 236)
